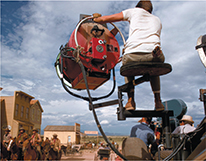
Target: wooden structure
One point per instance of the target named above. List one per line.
(35, 114)
(16, 112)
(66, 134)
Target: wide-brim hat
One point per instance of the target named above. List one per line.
(187, 118)
(54, 135)
(201, 48)
(34, 129)
(21, 129)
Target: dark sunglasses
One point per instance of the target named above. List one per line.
(181, 121)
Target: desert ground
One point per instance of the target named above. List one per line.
(86, 155)
(89, 153)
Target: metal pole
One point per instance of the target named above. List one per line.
(204, 102)
(159, 153)
(203, 98)
(120, 110)
(166, 130)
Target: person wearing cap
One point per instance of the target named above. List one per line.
(22, 136)
(35, 141)
(7, 137)
(143, 44)
(101, 146)
(186, 125)
(143, 131)
(56, 143)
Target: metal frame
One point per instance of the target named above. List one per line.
(123, 114)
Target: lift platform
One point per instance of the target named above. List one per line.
(145, 70)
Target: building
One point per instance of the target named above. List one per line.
(66, 134)
(35, 114)
(16, 112)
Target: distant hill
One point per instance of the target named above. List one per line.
(108, 134)
(113, 134)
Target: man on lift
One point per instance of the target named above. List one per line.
(143, 44)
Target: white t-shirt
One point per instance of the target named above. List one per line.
(144, 31)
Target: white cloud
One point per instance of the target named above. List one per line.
(104, 122)
(67, 106)
(11, 89)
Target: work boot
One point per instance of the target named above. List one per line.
(159, 106)
(130, 104)
(158, 103)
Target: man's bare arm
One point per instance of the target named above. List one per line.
(110, 18)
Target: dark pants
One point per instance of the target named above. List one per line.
(21, 154)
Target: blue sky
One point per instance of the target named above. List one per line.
(33, 31)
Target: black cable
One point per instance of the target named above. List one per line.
(95, 115)
(62, 51)
(114, 85)
(90, 99)
(62, 80)
(183, 141)
(176, 150)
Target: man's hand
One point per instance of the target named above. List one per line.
(98, 20)
(156, 52)
(96, 15)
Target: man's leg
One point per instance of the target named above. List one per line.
(21, 154)
(155, 85)
(131, 103)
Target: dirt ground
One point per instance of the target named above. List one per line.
(86, 155)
